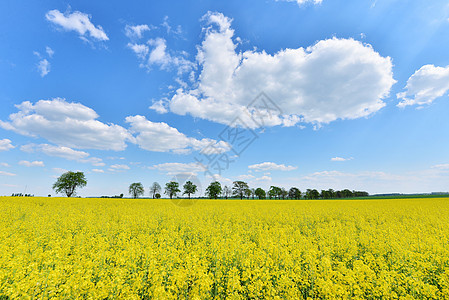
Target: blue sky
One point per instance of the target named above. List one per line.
(355, 94)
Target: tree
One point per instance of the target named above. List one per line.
(248, 193)
(260, 193)
(239, 188)
(172, 188)
(154, 189)
(136, 189)
(312, 194)
(283, 193)
(275, 192)
(189, 188)
(253, 193)
(68, 182)
(213, 190)
(226, 191)
(294, 193)
(346, 193)
(360, 194)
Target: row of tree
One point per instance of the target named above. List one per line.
(241, 190)
(21, 195)
(68, 182)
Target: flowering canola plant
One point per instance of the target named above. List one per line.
(64, 248)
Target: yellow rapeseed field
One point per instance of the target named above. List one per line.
(152, 249)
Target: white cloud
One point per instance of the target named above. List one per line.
(161, 57)
(136, 32)
(425, 85)
(115, 158)
(120, 167)
(263, 178)
(140, 50)
(159, 106)
(73, 125)
(441, 166)
(35, 163)
(341, 158)
(155, 53)
(77, 21)
(59, 170)
(97, 171)
(63, 152)
(58, 151)
(176, 168)
(245, 177)
(4, 164)
(10, 185)
(333, 79)
(6, 145)
(43, 67)
(69, 124)
(95, 161)
(49, 51)
(7, 173)
(165, 24)
(268, 166)
(160, 137)
(303, 2)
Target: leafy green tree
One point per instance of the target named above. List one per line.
(360, 194)
(347, 193)
(239, 188)
(331, 193)
(260, 193)
(275, 192)
(248, 193)
(172, 188)
(294, 193)
(136, 189)
(68, 182)
(157, 195)
(312, 194)
(189, 188)
(155, 189)
(213, 190)
(272, 192)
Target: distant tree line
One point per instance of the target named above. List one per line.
(116, 196)
(22, 195)
(241, 189)
(68, 183)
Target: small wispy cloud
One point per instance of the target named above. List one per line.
(267, 166)
(49, 51)
(7, 173)
(303, 2)
(78, 22)
(43, 66)
(35, 163)
(119, 167)
(337, 158)
(137, 31)
(441, 166)
(6, 145)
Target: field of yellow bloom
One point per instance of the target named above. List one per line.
(152, 249)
